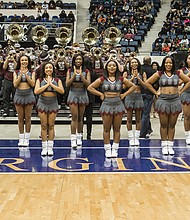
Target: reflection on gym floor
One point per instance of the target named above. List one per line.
(90, 158)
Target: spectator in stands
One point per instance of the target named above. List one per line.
(52, 4)
(24, 18)
(112, 107)
(77, 80)
(159, 40)
(16, 18)
(157, 47)
(31, 4)
(2, 19)
(24, 99)
(63, 15)
(184, 41)
(45, 15)
(10, 5)
(71, 17)
(8, 88)
(168, 104)
(39, 14)
(129, 35)
(59, 4)
(47, 86)
(165, 48)
(45, 6)
(134, 101)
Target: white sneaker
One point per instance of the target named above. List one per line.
(50, 151)
(21, 143)
(26, 143)
(79, 142)
(108, 153)
(188, 141)
(170, 150)
(165, 150)
(114, 152)
(132, 142)
(137, 143)
(44, 151)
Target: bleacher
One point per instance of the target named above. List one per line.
(139, 18)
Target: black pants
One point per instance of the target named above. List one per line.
(8, 90)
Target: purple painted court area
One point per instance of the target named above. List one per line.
(90, 158)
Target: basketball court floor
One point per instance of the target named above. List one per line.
(83, 184)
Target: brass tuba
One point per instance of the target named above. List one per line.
(39, 34)
(15, 32)
(90, 36)
(63, 35)
(112, 35)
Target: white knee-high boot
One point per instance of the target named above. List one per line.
(115, 147)
(79, 139)
(164, 145)
(137, 135)
(73, 140)
(107, 148)
(170, 148)
(131, 138)
(21, 140)
(187, 137)
(50, 148)
(26, 139)
(44, 148)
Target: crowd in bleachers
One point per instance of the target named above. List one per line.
(174, 35)
(133, 18)
(42, 9)
(31, 4)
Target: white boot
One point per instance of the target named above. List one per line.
(79, 139)
(50, 148)
(107, 148)
(131, 138)
(137, 135)
(26, 139)
(21, 140)
(44, 148)
(187, 137)
(73, 141)
(115, 147)
(164, 145)
(170, 148)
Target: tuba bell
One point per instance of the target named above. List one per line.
(97, 52)
(90, 36)
(15, 32)
(39, 34)
(63, 35)
(112, 35)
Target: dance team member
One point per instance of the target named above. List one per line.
(168, 104)
(134, 101)
(77, 81)
(112, 107)
(47, 87)
(24, 99)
